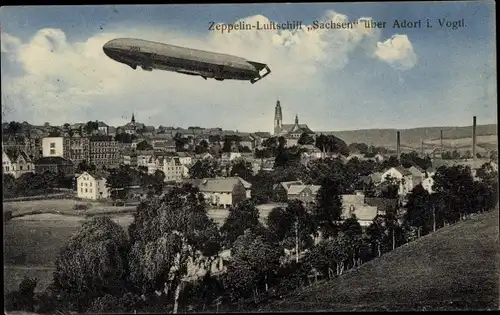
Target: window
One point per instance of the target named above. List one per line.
(20, 167)
(7, 168)
(52, 145)
(81, 189)
(85, 189)
(91, 190)
(52, 151)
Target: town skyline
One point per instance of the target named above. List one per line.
(53, 67)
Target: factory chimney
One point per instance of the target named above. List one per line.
(398, 146)
(442, 148)
(474, 137)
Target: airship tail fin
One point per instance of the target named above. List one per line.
(259, 66)
(261, 76)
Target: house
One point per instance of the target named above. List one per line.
(16, 163)
(130, 159)
(92, 185)
(384, 205)
(223, 192)
(103, 128)
(53, 146)
(55, 165)
(185, 158)
(305, 193)
(280, 191)
(173, 169)
(312, 151)
(267, 165)
(230, 156)
(402, 176)
(354, 205)
(163, 143)
(247, 185)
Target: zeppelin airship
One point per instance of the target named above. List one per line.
(153, 55)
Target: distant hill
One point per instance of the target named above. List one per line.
(454, 268)
(412, 138)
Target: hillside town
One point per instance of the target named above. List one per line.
(288, 193)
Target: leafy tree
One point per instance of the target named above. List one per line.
(242, 217)
(173, 238)
(204, 292)
(24, 298)
(92, 264)
(202, 147)
(9, 185)
(331, 144)
(262, 187)
(91, 126)
(328, 210)
(84, 166)
(376, 233)
(242, 169)
(144, 145)
(352, 237)
(305, 139)
(292, 228)
(214, 138)
(118, 182)
(127, 303)
(253, 263)
(419, 212)
(180, 142)
(205, 169)
(154, 183)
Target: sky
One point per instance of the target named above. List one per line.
(54, 69)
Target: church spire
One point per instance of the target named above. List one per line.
(133, 118)
(278, 118)
(296, 119)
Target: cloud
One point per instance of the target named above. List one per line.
(65, 81)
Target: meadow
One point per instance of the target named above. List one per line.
(455, 268)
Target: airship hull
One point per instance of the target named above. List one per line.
(152, 55)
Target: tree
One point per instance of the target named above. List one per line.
(262, 187)
(242, 169)
(352, 236)
(419, 212)
(83, 166)
(202, 147)
(153, 183)
(92, 264)
(205, 169)
(91, 126)
(24, 298)
(180, 142)
(169, 235)
(292, 228)
(242, 217)
(376, 233)
(144, 145)
(253, 263)
(305, 139)
(118, 182)
(328, 210)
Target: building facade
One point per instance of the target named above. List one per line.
(53, 147)
(104, 151)
(92, 185)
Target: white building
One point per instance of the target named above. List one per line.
(173, 169)
(92, 185)
(17, 164)
(402, 176)
(53, 146)
(185, 158)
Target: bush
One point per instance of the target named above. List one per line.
(81, 206)
(7, 215)
(127, 303)
(23, 298)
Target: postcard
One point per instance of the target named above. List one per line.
(250, 157)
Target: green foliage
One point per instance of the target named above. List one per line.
(328, 210)
(168, 234)
(305, 139)
(118, 182)
(262, 187)
(144, 145)
(242, 217)
(202, 147)
(83, 166)
(92, 264)
(24, 298)
(253, 262)
(205, 169)
(127, 303)
(242, 169)
(419, 209)
(331, 144)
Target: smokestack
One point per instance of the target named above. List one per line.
(442, 148)
(474, 137)
(398, 146)
(423, 152)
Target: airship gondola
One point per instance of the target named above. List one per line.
(153, 55)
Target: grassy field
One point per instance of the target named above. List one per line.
(455, 268)
(32, 243)
(63, 206)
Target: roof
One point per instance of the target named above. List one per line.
(101, 124)
(218, 184)
(353, 199)
(382, 204)
(416, 171)
(53, 160)
(14, 155)
(287, 185)
(311, 148)
(402, 170)
(302, 127)
(97, 175)
(262, 134)
(246, 184)
(365, 213)
(297, 189)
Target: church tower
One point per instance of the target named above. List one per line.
(278, 118)
(133, 118)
